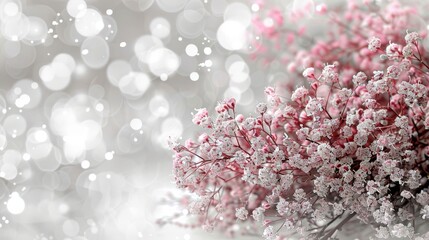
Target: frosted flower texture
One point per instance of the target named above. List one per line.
(348, 148)
(374, 44)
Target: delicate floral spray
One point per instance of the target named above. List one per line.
(351, 145)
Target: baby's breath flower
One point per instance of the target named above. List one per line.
(412, 38)
(374, 44)
(351, 142)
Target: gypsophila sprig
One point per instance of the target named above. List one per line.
(349, 146)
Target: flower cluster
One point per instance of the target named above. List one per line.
(357, 30)
(352, 145)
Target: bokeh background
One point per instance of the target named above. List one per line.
(91, 90)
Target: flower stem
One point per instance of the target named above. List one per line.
(338, 227)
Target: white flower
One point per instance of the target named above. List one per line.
(374, 43)
(425, 212)
(241, 213)
(258, 214)
(308, 73)
(412, 37)
(269, 233)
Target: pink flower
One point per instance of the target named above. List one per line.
(202, 118)
(393, 51)
(308, 73)
(374, 44)
(352, 144)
